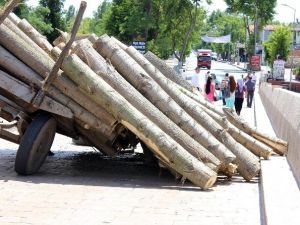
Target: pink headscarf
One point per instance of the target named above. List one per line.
(240, 83)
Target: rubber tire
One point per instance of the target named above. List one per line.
(35, 144)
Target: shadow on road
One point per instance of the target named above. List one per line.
(95, 169)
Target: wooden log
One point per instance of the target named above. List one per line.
(163, 145)
(31, 32)
(279, 146)
(27, 75)
(248, 164)
(8, 7)
(98, 64)
(54, 71)
(154, 93)
(255, 146)
(14, 18)
(167, 71)
(42, 64)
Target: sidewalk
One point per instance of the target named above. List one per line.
(278, 188)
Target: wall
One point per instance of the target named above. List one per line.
(283, 109)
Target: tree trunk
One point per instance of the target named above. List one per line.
(33, 34)
(42, 64)
(167, 71)
(255, 146)
(163, 145)
(248, 164)
(98, 64)
(14, 18)
(279, 146)
(27, 75)
(155, 94)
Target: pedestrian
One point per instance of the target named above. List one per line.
(230, 93)
(209, 88)
(207, 75)
(250, 88)
(223, 87)
(195, 81)
(239, 96)
(253, 78)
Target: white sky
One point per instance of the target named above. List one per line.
(284, 14)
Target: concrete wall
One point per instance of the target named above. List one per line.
(283, 109)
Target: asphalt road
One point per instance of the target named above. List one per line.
(218, 68)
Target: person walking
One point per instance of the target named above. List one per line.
(239, 96)
(209, 88)
(230, 93)
(224, 86)
(250, 88)
(195, 81)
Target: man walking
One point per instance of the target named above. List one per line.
(224, 86)
(250, 88)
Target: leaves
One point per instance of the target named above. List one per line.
(278, 44)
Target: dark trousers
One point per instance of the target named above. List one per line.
(250, 95)
(238, 104)
(223, 98)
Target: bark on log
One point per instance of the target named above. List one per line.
(42, 65)
(164, 146)
(98, 64)
(54, 71)
(27, 75)
(279, 146)
(248, 164)
(14, 18)
(167, 71)
(33, 34)
(255, 146)
(153, 92)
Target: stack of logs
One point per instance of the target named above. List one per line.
(102, 81)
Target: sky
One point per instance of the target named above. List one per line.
(283, 13)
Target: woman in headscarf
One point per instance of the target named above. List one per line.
(209, 90)
(230, 97)
(239, 96)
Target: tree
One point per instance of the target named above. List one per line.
(37, 18)
(278, 44)
(100, 18)
(255, 10)
(54, 17)
(222, 23)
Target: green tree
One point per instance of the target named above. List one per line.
(37, 17)
(278, 44)
(257, 11)
(54, 17)
(222, 23)
(100, 18)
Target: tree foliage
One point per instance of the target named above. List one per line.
(278, 44)
(54, 16)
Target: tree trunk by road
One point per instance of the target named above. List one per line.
(98, 64)
(279, 146)
(136, 75)
(41, 63)
(248, 164)
(163, 145)
(167, 71)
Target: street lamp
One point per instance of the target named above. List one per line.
(292, 62)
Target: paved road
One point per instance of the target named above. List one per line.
(79, 186)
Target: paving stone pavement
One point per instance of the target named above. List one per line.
(79, 186)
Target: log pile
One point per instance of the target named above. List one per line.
(105, 83)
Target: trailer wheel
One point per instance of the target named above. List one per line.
(35, 144)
